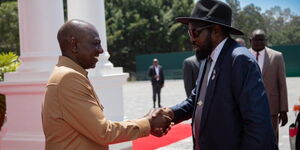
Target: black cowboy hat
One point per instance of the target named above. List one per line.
(211, 11)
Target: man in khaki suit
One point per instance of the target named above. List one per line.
(72, 114)
(272, 66)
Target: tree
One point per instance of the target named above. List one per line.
(248, 20)
(235, 7)
(9, 29)
(144, 27)
(283, 27)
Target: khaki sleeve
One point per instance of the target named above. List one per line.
(82, 112)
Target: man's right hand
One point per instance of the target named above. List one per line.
(165, 111)
(159, 122)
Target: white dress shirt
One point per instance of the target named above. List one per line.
(214, 56)
(156, 70)
(261, 57)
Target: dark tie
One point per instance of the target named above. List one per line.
(257, 54)
(200, 103)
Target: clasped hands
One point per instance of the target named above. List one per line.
(160, 121)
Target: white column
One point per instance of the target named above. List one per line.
(107, 80)
(39, 21)
(93, 11)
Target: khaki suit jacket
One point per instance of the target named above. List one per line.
(73, 117)
(275, 81)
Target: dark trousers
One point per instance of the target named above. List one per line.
(156, 91)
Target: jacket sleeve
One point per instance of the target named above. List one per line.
(187, 73)
(251, 98)
(184, 110)
(81, 111)
(283, 98)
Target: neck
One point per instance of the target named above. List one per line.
(218, 40)
(258, 50)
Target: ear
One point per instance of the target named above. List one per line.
(217, 30)
(74, 44)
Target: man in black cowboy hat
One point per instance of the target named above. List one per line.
(229, 106)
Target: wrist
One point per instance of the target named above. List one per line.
(150, 121)
(169, 112)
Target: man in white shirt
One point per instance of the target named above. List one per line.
(271, 64)
(155, 72)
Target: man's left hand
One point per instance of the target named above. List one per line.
(283, 119)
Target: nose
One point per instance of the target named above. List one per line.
(193, 40)
(100, 50)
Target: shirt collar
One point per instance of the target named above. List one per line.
(67, 62)
(216, 52)
(262, 52)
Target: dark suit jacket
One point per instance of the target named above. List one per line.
(236, 114)
(152, 73)
(275, 81)
(190, 73)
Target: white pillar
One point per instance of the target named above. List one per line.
(39, 21)
(93, 11)
(107, 80)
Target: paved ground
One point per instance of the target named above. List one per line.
(138, 101)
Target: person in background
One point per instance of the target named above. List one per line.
(156, 74)
(72, 114)
(241, 41)
(229, 108)
(271, 64)
(191, 66)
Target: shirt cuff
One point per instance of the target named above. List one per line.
(144, 126)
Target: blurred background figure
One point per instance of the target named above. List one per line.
(190, 69)
(155, 72)
(190, 73)
(271, 64)
(241, 41)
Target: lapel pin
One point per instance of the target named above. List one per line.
(200, 103)
(213, 75)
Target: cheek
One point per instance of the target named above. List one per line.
(203, 38)
(201, 42)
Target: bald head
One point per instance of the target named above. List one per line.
(240, 41)
(155, 61)
(80, 42)
(258, 32)
(258, 40)
(73, 30)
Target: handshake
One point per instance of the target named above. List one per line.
(160, 121)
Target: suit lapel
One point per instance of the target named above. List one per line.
(214, 79)
(266, 61)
